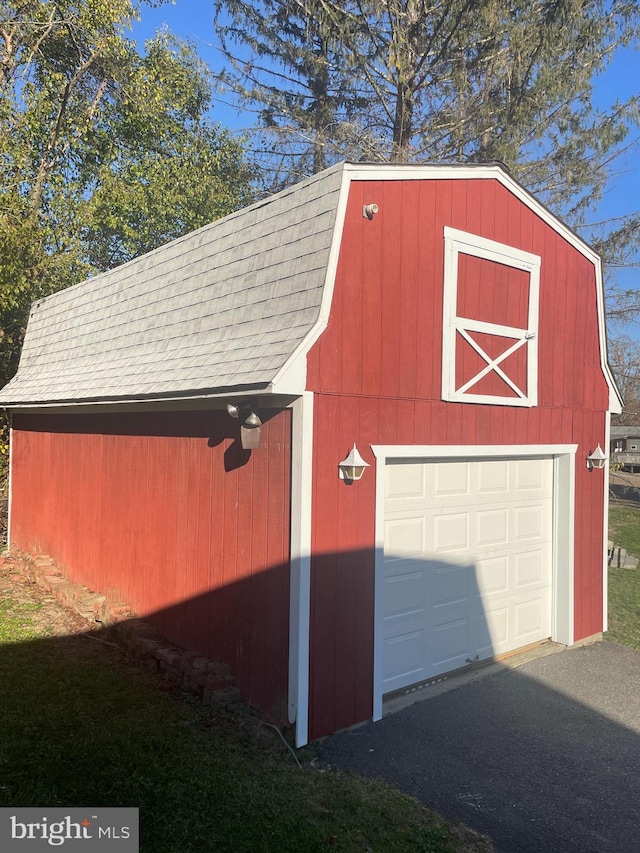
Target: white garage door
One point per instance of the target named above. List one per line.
(467, 563)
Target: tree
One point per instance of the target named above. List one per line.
(106, 153)
(450, 80)
(291, 76)
(624, 357)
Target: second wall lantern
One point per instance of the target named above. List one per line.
(352, 466)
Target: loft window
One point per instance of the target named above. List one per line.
(490, 328)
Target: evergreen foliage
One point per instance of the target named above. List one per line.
(440, 81)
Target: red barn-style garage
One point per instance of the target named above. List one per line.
(178, 425)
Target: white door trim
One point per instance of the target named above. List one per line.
(563, 530)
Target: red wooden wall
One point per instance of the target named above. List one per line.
(167, 511)
(377, 374)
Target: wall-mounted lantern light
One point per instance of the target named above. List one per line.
(250, 429)
(596, 459)
(352, 466)
(250, 432)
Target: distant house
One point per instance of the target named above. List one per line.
(624, 447)
(178, 425)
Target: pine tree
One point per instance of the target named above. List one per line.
(443, 81)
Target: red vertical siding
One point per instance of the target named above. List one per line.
(377, 374)
(385, 324)
(185, 526)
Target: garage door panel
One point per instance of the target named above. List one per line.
(406, 482)
(531, 475)
(404, 595)
(492, 576)
(404, 659)
(467, 563)
(452, 478)
(492, 527)
(530, 619)
(451, 532)
(492, 477)
(529, 569)
(492, 630)
(531, 523)
(405, 536)
(449, 585)
(450, 645)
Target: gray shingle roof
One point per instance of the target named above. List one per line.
(223, 307)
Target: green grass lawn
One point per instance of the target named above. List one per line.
(624, 584)
(80, 726)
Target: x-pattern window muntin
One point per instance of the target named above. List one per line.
(454, 325)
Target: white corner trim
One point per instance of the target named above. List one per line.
(300, 578)
(458, 242)
(295, 368)
(564, 515)
(564, 458)
(605, 528)
(378, 600)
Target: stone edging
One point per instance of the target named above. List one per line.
(619, 559)
(212, 681)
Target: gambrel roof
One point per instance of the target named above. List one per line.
(222, 307)
(234, 306)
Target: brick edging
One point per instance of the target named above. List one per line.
(211, 680)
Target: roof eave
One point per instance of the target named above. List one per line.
(257, 389)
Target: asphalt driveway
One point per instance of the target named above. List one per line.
(544, 758)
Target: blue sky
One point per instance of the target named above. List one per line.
(193, 19)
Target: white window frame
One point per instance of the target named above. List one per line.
(460, 242)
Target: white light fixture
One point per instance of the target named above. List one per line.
(369, 210)
(250, 432)
(596, 459)
(352, 466)
(233, 410)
